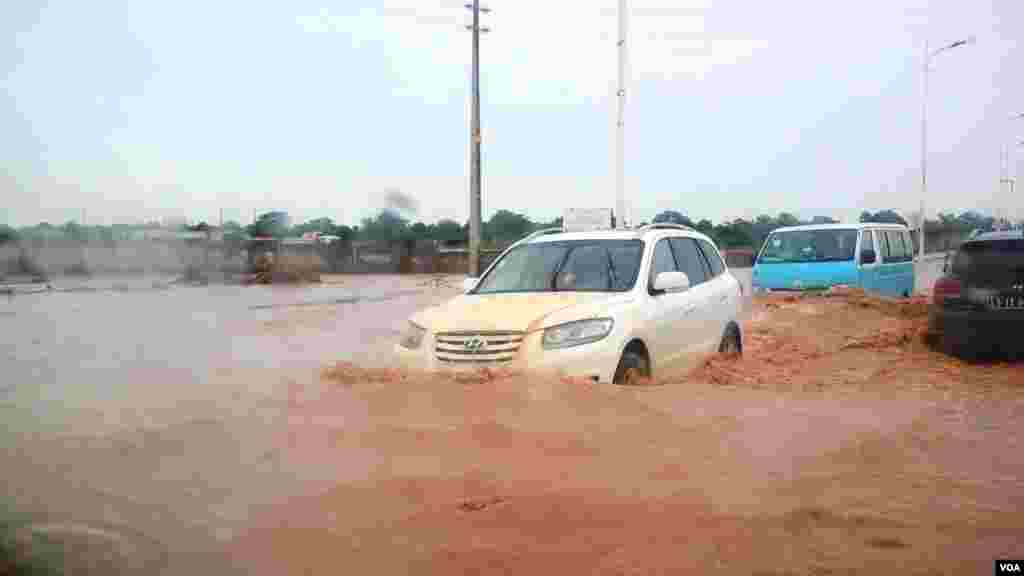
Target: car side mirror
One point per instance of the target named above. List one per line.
(468, 283)
(671, 282)
(868, 257)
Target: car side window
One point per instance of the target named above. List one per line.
(690, 260)
(908, 241)
(904, 250)
(714, 260)
(664, 261)
(896, 251)
(867, 242)
(884, 253)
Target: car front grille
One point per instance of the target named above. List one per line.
(477, 347)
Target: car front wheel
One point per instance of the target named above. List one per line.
(632, 369)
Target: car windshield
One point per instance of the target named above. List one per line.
(991, 262)
(809, 246)
(566, 266)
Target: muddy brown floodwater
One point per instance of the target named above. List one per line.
(838, 444)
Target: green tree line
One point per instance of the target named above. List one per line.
(503, 227)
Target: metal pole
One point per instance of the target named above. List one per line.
(620, 141)
(924, 148)
(1003, 175)
(474, 192)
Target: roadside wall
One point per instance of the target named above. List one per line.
(55, 257)
(61, 256)
(9, 259)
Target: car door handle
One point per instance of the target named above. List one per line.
(723, 298)
(689, 308)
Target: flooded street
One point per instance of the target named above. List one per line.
(151, 407)
(260, 430)
(86, 347)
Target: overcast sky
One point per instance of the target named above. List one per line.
(130, 111)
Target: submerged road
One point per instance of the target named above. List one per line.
(148, 416)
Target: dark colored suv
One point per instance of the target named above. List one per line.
(978, 305)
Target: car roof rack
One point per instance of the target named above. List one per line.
(666, 226)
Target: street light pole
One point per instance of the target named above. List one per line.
(475, 171)
(924, 150)
(926, 64)
(620, 137)
(1007, 176)
(1011, 182)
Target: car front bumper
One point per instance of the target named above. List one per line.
(596, 361)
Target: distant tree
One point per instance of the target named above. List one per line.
(759, 229)
(787, 219)
(321, 225)
(386, 225)
(73, 230)
(275, 224)
(824, 220)
(7, 234)
(420, 231)
(506, 225)
(447, 230)
(882, 217)
(706, 227)
(344, 232)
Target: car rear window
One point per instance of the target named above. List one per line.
(991, 262)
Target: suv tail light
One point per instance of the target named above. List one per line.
(945, 287)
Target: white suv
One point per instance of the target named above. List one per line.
(609, 305)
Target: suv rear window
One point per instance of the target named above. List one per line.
(991, 263)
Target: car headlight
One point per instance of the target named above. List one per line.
(412, 337)
(577, 333)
